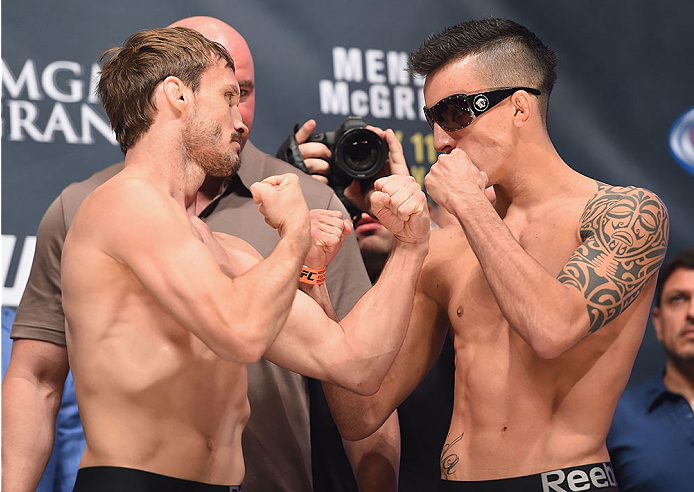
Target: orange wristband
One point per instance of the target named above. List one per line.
(312, 276)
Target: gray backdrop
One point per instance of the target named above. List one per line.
(626, 79)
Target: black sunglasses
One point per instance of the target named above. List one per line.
(457, 111)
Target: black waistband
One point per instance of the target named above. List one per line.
(116, 479)
(596, 476)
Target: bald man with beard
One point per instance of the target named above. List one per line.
(276, 441)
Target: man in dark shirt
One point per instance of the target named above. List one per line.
(651, 441)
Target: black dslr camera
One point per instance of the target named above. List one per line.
(356, 152)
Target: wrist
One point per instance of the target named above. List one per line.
(298, 236)
(463, 206)
(409, 246)
(312, 276)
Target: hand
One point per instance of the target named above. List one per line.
(314, 153)
(328, 231)
(282, 203)
(452, 178)
(395, 164)
(400, 205)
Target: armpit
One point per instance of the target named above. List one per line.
(625, 232)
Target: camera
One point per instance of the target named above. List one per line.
(356, 152)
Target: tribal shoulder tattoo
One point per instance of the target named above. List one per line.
(625, 234)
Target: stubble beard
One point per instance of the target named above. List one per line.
(200, 142)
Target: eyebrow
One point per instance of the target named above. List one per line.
(246, 84)
(233, 89)
(677, 292)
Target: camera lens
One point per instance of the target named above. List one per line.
(360, 153)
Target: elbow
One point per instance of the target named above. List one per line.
(364, 378)
(555, 332)
(554, 342)
(243, 347)
(365, 387)
(548, 350)
(359, 382)
(361, 429)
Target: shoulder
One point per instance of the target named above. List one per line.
(628, 215)
(129, 204)
(620, 204)
(74, 194)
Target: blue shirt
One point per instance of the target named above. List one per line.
(651, 442)
(69, 443)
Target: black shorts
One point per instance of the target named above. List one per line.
(116, 479)
(595, 477)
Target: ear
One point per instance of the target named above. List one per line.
(176, 93)
(655, 318)
(523, 106)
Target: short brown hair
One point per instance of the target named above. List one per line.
(134, 70)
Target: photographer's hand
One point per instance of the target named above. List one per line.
(314, 153)
(395, 165)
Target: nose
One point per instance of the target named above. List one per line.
(443, 142)
(690, 310)
(239, 125)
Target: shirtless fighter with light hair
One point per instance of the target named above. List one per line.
(546, 290)
(163, 316)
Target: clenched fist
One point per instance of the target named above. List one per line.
(400, 205)
(453, 177)
(282, 203)
(328, 231)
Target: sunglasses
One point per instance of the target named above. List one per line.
(457, 111)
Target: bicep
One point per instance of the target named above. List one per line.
(171, 263)
(309, 343)
(625, 247)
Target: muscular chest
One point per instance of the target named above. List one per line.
(462, 288)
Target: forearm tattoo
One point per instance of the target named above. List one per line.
(449, 460)
(625, 235)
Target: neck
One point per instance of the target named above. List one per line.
(679, 378)
(536, 175)
(210, 188)
(167, 170)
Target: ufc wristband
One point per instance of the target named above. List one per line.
(312, 276)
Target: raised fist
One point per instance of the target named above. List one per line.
(282, 203)
(328, 231)
(400, 205)
(453, 177)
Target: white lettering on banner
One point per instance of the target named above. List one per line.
(375, 66)
(11, 295)
(60, 82)
(386, 89)
(397, 68)
(360, 103)
(27, 77)
(347, 64)
(48, 81)
(334, 98)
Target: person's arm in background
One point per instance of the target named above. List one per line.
(375, 460)
(33, 385)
